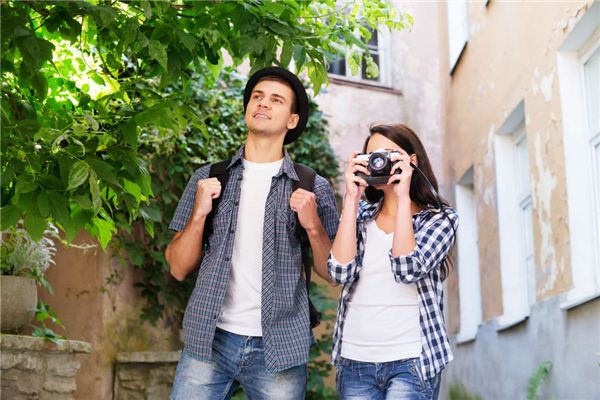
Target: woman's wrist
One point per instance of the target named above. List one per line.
(350, 206)
(351, 200)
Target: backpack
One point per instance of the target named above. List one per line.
(306, 181)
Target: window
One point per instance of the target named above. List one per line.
(378, 47)
(469, 286)
(517, 257)
(578, 62)
(458, 30)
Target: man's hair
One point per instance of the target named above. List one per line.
(279, 79)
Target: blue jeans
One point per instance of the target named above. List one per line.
(389, 380)
(236, 360)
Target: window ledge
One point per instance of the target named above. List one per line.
(464, 338)
(575, 300)
(363, 84)
(505, 323)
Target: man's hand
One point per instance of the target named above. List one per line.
(304, 203)
(206, 191)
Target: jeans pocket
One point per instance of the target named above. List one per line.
(415, 369)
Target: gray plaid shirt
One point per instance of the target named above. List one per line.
(285, 319)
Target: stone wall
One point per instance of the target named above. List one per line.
(34, 368)
(145, 375)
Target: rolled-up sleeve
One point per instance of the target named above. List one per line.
(434, 239)
(339, 272)
(186, 203)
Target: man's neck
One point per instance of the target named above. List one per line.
(263, 149)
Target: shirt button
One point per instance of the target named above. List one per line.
(231, 231)
(239, 178)
(227, 258)
(237, 203)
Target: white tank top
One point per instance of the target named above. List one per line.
(382, 319)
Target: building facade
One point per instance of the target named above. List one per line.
(506, 97)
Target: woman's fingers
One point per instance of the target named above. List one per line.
(360, 181)
(361, 168)
(394, 179)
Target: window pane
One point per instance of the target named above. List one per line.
(373, 42)
(338, 67)
(364, 68)
(597, 166)
(528, 251)
(591, 71)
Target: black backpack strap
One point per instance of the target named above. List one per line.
(306, 181)
(218, 170)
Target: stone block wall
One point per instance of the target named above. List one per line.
(34, 368)
(145, 375)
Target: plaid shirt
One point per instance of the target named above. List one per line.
(434, 237)
(285, 320)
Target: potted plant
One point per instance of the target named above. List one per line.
(23, 262)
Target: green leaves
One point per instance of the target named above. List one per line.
(85, 106)
(158, 51)
(79, 173)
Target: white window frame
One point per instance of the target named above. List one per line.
(457, 14)
(525, 201)
(581, 176)
(515, 272)
(384, 40)
(469, 284)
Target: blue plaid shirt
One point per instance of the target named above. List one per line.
(434, 236)
(285, 318)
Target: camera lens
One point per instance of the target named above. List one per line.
(379, 164)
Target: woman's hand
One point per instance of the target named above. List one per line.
(355, 185)
(401, 161)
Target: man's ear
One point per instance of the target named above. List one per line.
(293, 121)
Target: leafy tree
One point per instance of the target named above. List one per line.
(83, 85)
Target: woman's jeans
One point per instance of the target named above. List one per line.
(389, 380)
(236, 360)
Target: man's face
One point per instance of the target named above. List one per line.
(269, 109)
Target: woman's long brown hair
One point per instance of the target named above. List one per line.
(423, 184)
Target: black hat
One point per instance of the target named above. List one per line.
(299, 91)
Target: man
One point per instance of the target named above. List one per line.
(247, 321)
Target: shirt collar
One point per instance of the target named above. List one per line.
(368, 210)
(286, 168)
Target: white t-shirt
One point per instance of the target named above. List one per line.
(240, 312)
(382, 319)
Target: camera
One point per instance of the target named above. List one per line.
(379, 164)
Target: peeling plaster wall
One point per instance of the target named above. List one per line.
(509, 58)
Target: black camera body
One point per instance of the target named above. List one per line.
(379, 165)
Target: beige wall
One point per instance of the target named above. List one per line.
(412, 97)
(105, 315)
(511, 56)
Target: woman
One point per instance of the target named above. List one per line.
(391, 255)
